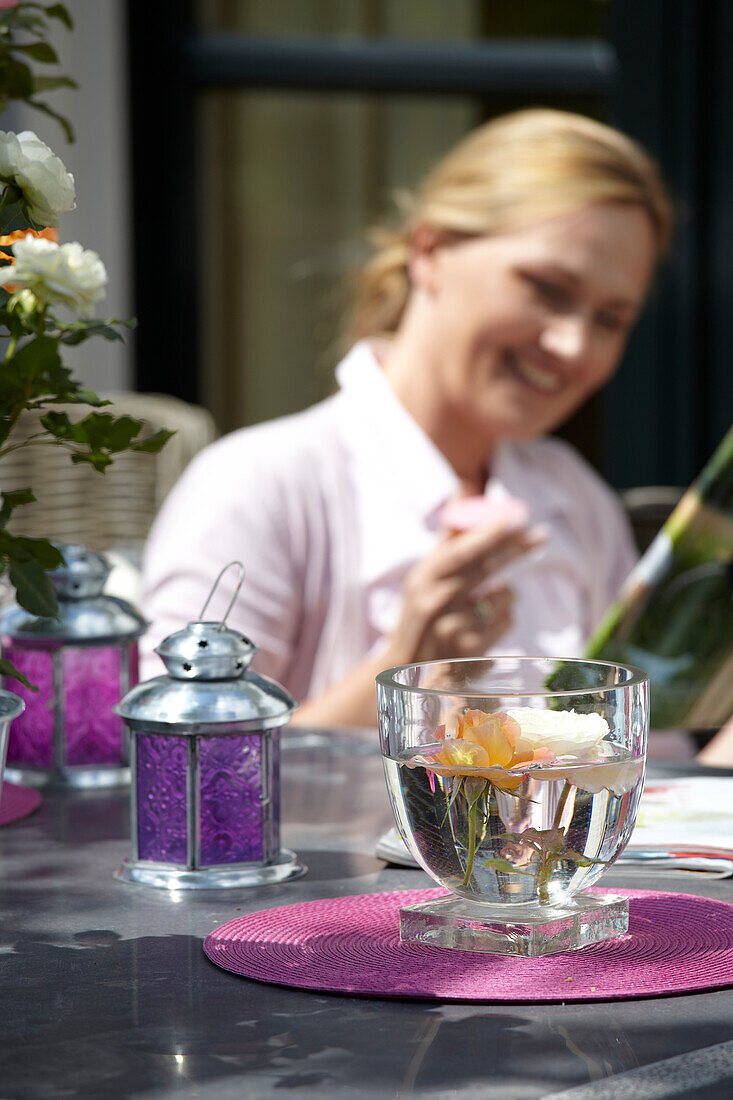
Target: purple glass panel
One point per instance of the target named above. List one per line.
(161, 797)
(273, 815)
(31, 734)
(231, 799)
(91, 676)
(133, 666)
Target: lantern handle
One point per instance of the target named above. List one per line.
(215, 585)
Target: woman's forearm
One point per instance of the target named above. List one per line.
(352, 701)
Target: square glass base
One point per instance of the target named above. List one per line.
(528, 930)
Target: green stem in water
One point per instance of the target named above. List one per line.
(471, 842)
(543, 879)
(561, 805)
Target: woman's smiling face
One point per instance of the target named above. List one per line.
(524, 326)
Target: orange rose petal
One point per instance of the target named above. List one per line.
(511, 728)
(465, 754)
(521, 758)
(48, 234)
(492, 738)
(468, 721)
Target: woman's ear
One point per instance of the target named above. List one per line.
(425, 242)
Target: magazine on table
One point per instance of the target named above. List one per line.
(683, 825)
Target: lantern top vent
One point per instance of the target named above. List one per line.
(82, 575)
(206, 651)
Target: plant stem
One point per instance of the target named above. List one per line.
(35, 441)
(543, 879)
(543, 882)
(471, 842)
(561, 805)
(6, 196)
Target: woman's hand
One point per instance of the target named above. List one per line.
(448, 608)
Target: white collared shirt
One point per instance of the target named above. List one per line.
(402, 481)
(330, 508)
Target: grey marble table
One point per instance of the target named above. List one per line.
(106, 993)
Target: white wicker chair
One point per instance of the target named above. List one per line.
(113, 511)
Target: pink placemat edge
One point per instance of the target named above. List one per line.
(17, 802)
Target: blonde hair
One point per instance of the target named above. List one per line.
(514, 170)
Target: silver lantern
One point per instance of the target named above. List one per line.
(204, 753)
(82, 663)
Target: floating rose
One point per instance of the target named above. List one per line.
(501, 749)
(484, 747)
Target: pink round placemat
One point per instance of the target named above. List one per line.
(17, 802)
(676, 943)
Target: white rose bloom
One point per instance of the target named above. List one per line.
(27, 163)
(563, 732)
(581, 736)
(64, 274)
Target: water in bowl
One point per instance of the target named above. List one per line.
(551, 835)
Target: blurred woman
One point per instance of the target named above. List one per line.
(503, 301)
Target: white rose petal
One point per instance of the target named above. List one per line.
(563, 732)
(619, 778)
(65, 274)
(28, 163)
(582, 737)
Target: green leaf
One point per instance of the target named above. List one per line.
(33, 588)
(505, 866)
(100, 432)
(51, 83)
(13, 500)
(71, 339)
(36, 357)
(46, 110)
(19, 19)
(8, 669)
(59, 425)
(58, 11)
(99, 461)
(16, 79)
(79, 331)
(581, 860)
(153, 443)
(19, 548)
(89, 397)
(39, 51)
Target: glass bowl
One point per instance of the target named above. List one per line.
(515, 782)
